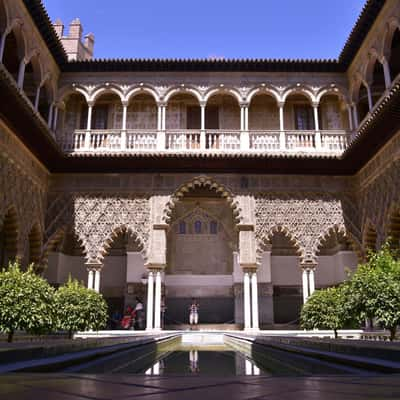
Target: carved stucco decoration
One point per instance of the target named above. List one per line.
(96, 219)
(305, 218)
(17, 191)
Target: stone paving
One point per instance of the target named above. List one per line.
(124, 387)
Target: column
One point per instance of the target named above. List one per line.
(37, 99)
(21, 74)
(157, 302)
(50, 118)
(203, 126)
(282, 138)
(244, 127)
(123, 131)
(386, 72)
(311, 280)
(350, 117)
(254, 298)
(370, 105)
(161, 136)
(150, 289)
(355, 116)
(3, 44)
(88, 126)
(90, 278)
(55, 118)
(318, 143)
(305, 284)
(97, 279)
(246, 293)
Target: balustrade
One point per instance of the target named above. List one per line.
(333, 141)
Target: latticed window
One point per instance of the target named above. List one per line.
(182, 227)
(197, 227)
(213, 227)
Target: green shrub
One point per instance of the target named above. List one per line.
(26, 302)
(79, 308)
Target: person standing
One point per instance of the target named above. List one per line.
(194, 312)
(139, 314)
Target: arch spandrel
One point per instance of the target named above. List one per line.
(202, 182)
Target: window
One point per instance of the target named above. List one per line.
(303, 117)
(197, 227)
(213, 227)
(182, 227)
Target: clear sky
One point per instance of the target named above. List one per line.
(212, 28)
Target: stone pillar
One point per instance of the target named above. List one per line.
(202, 125)
(149, 306)
(37, 99)
(282, 137)
(97, 280)
(50, 118)
(311, 280)
(305, 284)
(90, 278)
(370, 104)
(386, 72)
(244, 127)
(3, 44)
(88, 126)
(123, 131)
(21, 74)
(246, 294)
(350, 117)
(318, 143)
(355, 116)
(161, 123)
(157, 301)
(254, 300)
(55, 117)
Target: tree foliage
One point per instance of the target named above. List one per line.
(26, 302)
(326, 309)
(79, 308)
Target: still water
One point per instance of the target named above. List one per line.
(211, 360)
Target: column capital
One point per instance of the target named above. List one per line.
(280, 104)
(155, 267)
(203, 103)
(249, 268)
(245, 227)
(315, 104)
(91, 103)
(244, 104)
(162, 103)
(308, 266)
(93, 266)
(125, 103)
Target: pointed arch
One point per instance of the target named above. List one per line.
(202, 182)
(121, 229)
(9, 236)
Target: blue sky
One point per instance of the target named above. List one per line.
(212, 28)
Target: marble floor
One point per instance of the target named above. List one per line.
(125, 387)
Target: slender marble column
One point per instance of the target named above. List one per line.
(246, 293)
(21, 74)
(3, 44)
(90, 278)
(254, 298)
(123, 131)
(386, 72)
(370, 104)
(37, 99)
(88, 126)
(311, 279)
(202, 126)
(282, 138)
(150, 295)
(305, 284)
(50, 118)
(318, 143)
(157, 302)
(350, 118)
(55, 118)
(355, 116)
(97, 280)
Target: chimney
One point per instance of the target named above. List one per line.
(89, 44)
(75, 29)
(59, 27)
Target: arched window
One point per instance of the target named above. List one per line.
(197, 227)
(213, 227)
(182, 227)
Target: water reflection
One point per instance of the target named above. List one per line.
(197, 362)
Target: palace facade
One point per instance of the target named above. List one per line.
(244, 183)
